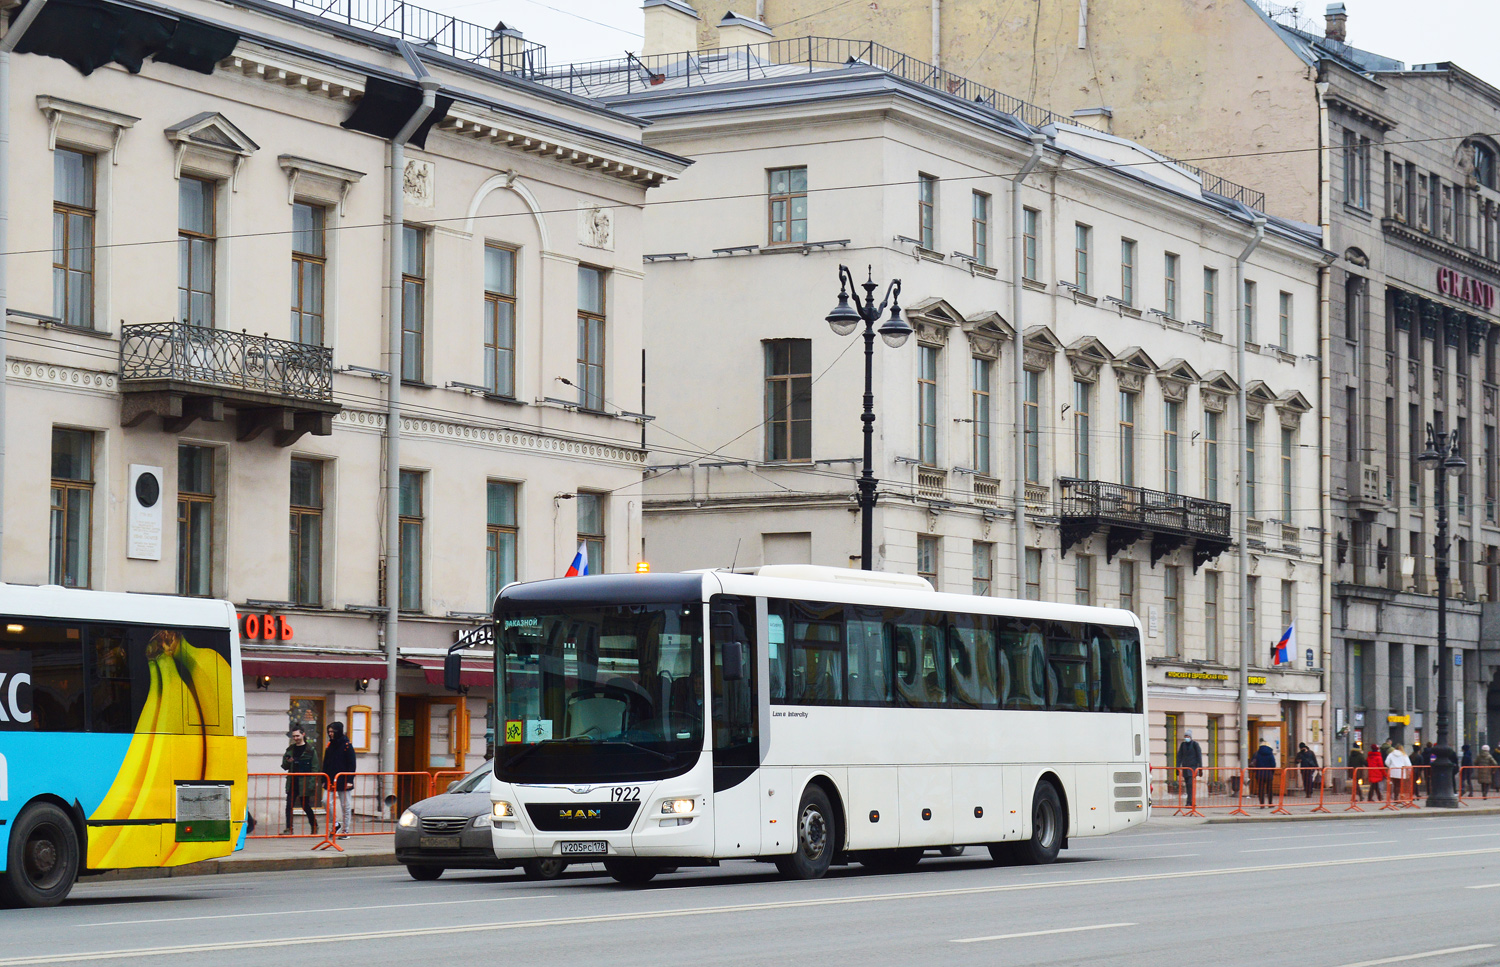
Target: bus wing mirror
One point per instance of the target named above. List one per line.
(453, 672)
(733, 661)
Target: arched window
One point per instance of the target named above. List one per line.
(1483, 158)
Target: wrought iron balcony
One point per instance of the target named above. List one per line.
(185, 373)
(1128, 514)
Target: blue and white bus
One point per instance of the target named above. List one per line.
(122, 735)
(805, 716)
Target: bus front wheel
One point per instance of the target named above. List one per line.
(43, 858)
(815, 838)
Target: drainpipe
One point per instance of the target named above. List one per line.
(1325, 420)
(937, 33)
(13, 35)
(1018, 366)
(1259, 224)
(396, 203)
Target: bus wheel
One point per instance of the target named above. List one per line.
(424, 872)
(543, 869)
(815, 844)
(631, 872)
(42, 863)
(1046, 827)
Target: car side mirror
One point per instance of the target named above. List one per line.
(452, 784)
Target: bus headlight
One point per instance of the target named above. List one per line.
(502, 810)
(676, 807)
(408, 819)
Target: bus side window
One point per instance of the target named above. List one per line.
(869, 659)
(1067, 667)
(817, 659)
(971, 656)
(119, 677)
(50, 654)
(1024, 645)
(734, 705)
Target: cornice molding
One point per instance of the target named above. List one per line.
(496, 437)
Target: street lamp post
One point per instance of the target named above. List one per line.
(843, 320)
(1442, 454)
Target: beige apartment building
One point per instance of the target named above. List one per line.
(198, 366)
(808, 155)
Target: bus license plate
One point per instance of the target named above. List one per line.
(592, 847)
(438, 842)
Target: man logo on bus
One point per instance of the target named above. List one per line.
(579, 813)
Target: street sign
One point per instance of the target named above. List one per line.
(1458, 659)
(1309, 658)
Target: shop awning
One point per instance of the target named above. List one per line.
(477, 672)
(282, 665)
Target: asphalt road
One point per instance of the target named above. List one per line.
(1415, 889)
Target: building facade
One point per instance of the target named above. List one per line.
(198, 377)
(1128, 420)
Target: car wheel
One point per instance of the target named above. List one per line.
(43, 858)
(543, 869)
(631, 872)
(419, 872)
(815, 838)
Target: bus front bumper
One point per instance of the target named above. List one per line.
(671, 818)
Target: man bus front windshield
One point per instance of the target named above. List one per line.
(600, 693)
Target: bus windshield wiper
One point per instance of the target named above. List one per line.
(641, 748)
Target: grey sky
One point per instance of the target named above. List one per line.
(1415, 31)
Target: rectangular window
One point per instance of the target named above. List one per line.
(195, 520)
(1356, 170)
(1446, 226)
(1424, 206)
(1169, 293)
(1489, 473)
(786, 205)
(1351, 425)
(1171, 412)
(500, 320)
(305, 586)
(1288, 450)
(1082, 405)
(1028, 250)
(1252, 616)
(981, 228)
(1462, 477)
(1033, 430)
(591, 319)
(1081, 257)
(1252, 437)
(73, 237)
(788, 399)
(1396, 196)
(1284, 321)
(1211, 422)
(1172, 610)
(501, 534)
(1033, 574)
(412, 506)
(1127, 585)
(1127, 439)
(1083, 579)
(309, 263)
(1215, 748)
(1248, 311)
(926, 205)
(1211, 615)
(927, 558)
(984, 568)
(413, 303)
(1211, 298)
(195, 251)
(1288, 610)
(1172, 738)
(927, 404)
(981, 415)
(72, 523)
(1127, 271)
(1356, 675)
(591, 529)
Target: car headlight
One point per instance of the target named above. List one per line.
(502, 810)
(676, 807)
(408, 819)
(483, 821)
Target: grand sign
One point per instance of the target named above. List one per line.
(1450, 283)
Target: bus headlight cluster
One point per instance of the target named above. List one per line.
(676, 807)
(408, 819)
(502, 810)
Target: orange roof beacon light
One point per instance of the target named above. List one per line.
(643, 567)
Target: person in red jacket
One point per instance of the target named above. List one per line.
(1375, 768)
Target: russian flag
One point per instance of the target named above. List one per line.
(580, 565)
(1281, 652)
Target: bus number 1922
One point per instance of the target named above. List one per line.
(625, 794)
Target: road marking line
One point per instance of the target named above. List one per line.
(341, 938)
(1362, 831)
(283, 913)
(1421, 956)
(1434, 839)
(1169, 856)
(1483, 886)
(1042, 933)
(1288, 849)
(1080, 847)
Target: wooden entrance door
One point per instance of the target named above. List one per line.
(431, 737)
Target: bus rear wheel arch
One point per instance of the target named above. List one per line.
(43, 857)
(1049, 830)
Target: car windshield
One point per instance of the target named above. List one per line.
(601, 693)
(476, 781)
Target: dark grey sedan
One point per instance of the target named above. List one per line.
(451, 831)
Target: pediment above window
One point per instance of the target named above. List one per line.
(209, 144)
(83, 126)
(1041, 344)
(932, 318)
(987, 332)
(1087, 357)
(1175, 378)
(316, 181)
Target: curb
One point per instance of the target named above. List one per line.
(278, 864)
(1324, 817)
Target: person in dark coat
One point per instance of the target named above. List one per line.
(301, 761)
(1263, 775)
(1419, 757)
(1357, 769)
(338, 766)
(1307, 764)
(1189, 761)
(1466, 771)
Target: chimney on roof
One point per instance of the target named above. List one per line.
(508, 50)
(1336, 23)
(671, 28)
(737, 31)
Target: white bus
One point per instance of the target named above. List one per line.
(805, 716)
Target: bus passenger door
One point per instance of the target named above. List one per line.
(734, 680)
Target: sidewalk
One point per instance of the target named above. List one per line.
(1162, 813)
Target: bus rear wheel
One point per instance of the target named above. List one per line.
(815, 838)
(1046, 828)
(43, 858)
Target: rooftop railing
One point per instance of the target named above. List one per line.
(492, 47)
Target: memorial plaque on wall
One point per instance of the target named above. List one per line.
(143, 521)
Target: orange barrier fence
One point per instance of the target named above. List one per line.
(301, 805)
(287, 804)
(1478, 783)
(1300, 791)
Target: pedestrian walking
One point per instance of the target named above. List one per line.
(1466, 771)
(339, 766)
(1484, 771)
(1375, 770)
(1263, 773)
(1307, 764)
(1189, 761)
(1419, 757)
(1398, 764)
(300, 761)
(1357, 769)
